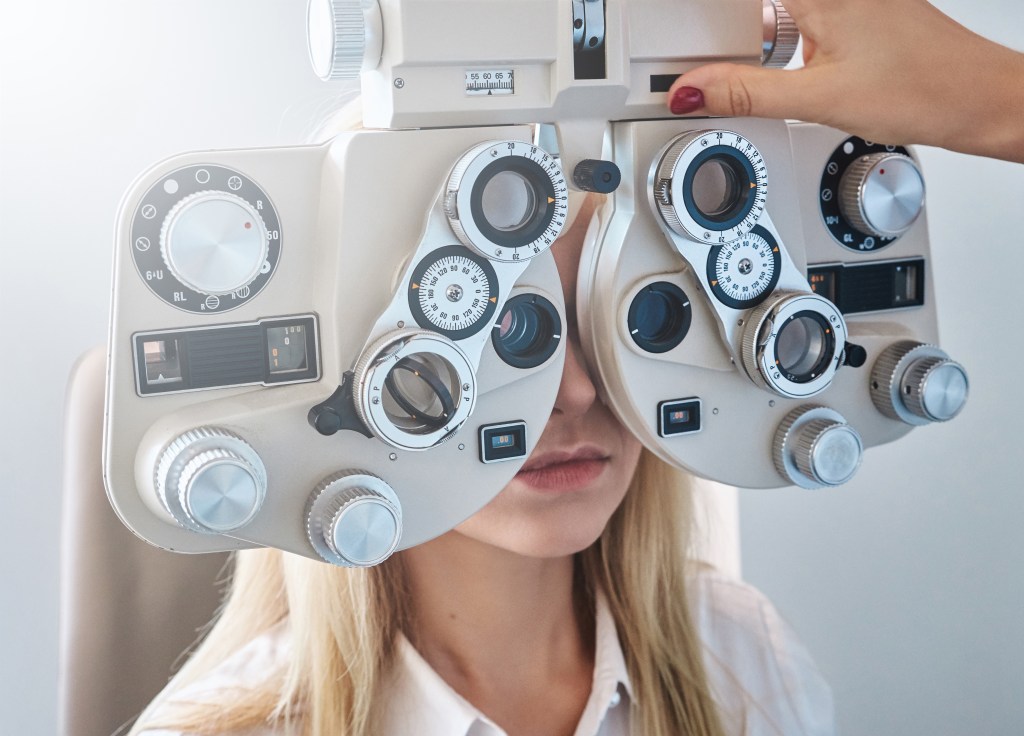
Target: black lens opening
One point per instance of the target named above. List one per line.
(659, 317)
(527, 332)
(805, 346)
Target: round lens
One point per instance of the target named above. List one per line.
(509, 201)
(528, 332)
(804, 346)
(659, 317)
(717, 190)
(422, 393)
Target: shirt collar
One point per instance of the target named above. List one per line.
(422, 703)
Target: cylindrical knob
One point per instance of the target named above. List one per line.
(815, 447)
(918, 384)
(354, 519)
(781, 35)
(594, 175)
(214, 242)
(345, 37)
(211, 481)
(882, 194)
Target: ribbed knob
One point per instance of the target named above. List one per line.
(214, 242)
(781, 35)
(882, 194)
(594, 175)
(815, 447)
(354, 519)
(918, 384)
(345, 37)
(211, 480)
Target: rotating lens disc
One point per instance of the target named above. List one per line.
(743, 273)
(453, 291)
(507, 200)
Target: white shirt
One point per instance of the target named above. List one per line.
(763, 678)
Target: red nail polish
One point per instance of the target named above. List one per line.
(686, 99)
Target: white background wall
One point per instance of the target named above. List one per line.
(908, 584)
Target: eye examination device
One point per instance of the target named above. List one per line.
(346, 349)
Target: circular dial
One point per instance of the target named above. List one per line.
(815, 447)
(214, 242)
(780, 35)
(205, 239)
(918, 383)
(507, 200)
(882, 194)
(743, 273)
(711, 186)
(354, 519)
(453, 291)
(830, 195)
(210, 480)
(344, 37)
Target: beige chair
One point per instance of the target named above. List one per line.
(128, 610)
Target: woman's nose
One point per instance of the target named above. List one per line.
(576, 392)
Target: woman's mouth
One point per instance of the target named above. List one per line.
(562, 471)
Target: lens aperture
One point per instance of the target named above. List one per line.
(528, 332)
(659, 317)
(804, 347)
(509, 201)
(422, 393)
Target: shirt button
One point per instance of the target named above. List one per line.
(615, 699)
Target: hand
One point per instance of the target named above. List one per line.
(892, 71)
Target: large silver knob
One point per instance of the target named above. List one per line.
(354, 519)
(211, 481)
(918, 384)
(882, 194)
(345, 37)
(815, 447)
(781, 35)
(214, 242)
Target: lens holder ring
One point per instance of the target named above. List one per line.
(476, 169)
(535, 358)
(760, 343)
(673, 179)
(381, 358)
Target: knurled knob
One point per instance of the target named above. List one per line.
(214, 242)
(918, 384)
(781, 35)
(211, 481)
(345, 37)
(354, 519)
(815, 447)
(882, 194)
(595, 175)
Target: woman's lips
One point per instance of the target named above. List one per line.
(563, 471)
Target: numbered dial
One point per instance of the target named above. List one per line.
(711, 186)
(743, 273)
(507, 200)
(866, 206)
(453, 291)
(206, 239)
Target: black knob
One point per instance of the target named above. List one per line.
(594, 175)
(855, 355)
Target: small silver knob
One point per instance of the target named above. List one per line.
(882, 194)
(211, 481)
(918, 384)
(781, 35)
(354, 519)
(815, 447)
(214, 242)
(345, 37)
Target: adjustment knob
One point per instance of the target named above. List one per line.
(918, 384)
(882, 194)
(345, 37)
(211, 481)
(781, 35)
(594, 175)
(214, 242)
(354, 519)
(815, 447)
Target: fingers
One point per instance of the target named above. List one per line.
(733, 90)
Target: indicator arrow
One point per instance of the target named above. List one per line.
(550, 200)
(415, 286)
(493, 300)
(753, 185)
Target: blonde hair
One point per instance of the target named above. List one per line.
(343, 625)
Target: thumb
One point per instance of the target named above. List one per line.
(735, 90)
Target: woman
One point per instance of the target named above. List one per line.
(566, 606)
(897, 71)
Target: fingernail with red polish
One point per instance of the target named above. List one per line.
(686, 99)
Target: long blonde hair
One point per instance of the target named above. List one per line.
(343, 625)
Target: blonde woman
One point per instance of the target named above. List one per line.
(564, 607)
